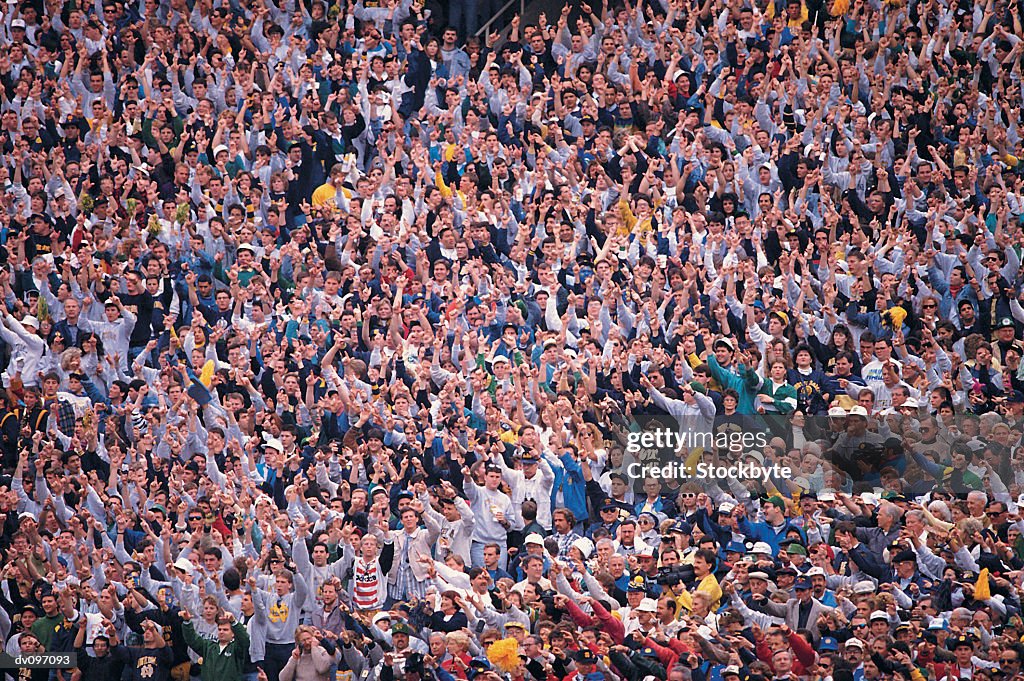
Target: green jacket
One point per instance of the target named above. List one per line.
(226, 665)
(784, 395)
(735, 379)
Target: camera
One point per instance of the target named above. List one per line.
(676, 574)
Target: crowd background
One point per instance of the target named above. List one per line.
(326, 327)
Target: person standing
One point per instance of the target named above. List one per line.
(495, 514)
(283, 608)
(225, 658)
(309, 661)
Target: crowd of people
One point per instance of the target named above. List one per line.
(327, 328)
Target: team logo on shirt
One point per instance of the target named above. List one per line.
(146, 667)
(278, 612)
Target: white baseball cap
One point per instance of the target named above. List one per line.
(647, 605)
(183, 564)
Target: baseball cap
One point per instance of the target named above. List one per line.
(648, 605)
(963, 640)
(637, 584)
(183, 564)
(755, 455)
(585, 656)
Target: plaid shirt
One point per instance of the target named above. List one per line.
(565, 542)
(66, 417)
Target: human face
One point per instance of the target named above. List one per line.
(492, 480)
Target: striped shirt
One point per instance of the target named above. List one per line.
(369, 588)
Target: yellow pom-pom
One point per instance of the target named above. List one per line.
(504, 654)
(840, 8)
(896, 317)
(206, 376)
(982, 591)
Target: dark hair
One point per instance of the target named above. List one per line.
(232, 580)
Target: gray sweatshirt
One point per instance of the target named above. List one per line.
(283, 612)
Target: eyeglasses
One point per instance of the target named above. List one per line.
(993, 514)
(929, 306)
(193, 518)
(860, 626)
